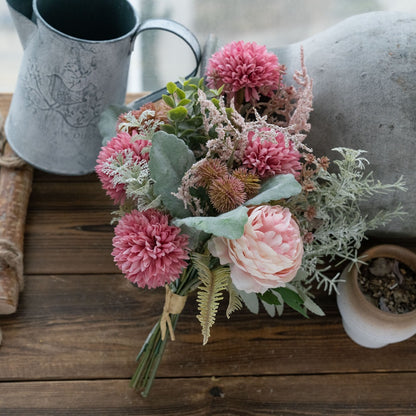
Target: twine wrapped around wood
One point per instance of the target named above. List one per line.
(10, 161)
(12, 257)
(174, 304)
(15, 187)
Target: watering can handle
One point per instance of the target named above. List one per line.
(179, 30)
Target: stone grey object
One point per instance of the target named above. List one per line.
(75, 64)
(364, 87)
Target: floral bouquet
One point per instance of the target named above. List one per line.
(218, 193)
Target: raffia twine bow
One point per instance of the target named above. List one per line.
(174, 304)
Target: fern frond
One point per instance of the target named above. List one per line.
(213, 283)
(234, 303)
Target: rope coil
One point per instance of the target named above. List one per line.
(11, 162)
(12, 257)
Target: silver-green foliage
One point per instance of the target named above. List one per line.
(135, 177)
(341, 226)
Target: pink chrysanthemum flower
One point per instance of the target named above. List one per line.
(148, 250)
(247, 66)
(116, 148)
(267, 158)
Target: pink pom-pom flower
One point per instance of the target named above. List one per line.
(267, 158)
(247, 66)
(148, 250)
(116, 148)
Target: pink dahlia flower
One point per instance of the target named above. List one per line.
(241, 65)
(148, 250)
(116, 147)
(267, 158)
(269, 253)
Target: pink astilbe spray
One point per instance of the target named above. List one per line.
(298, 121)
(115, 150)
(148, 250)
(244, 66)
(288, 106)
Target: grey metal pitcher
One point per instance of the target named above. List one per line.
(76, 62)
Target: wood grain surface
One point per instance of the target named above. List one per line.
(70, 348)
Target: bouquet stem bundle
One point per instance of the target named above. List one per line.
(151, 353)
(149, 358)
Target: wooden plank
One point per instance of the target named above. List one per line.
(92, 326)
(70, 195)
(68, 221)
(364, 395)
(68, 242)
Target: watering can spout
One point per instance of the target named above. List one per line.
(21, 12)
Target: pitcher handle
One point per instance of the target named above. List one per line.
(179, 30)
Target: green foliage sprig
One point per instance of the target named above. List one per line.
(339, 226)
(186, 120)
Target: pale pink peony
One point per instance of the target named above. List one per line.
(267, 158)
(241, 65)
(148, 250)
(269, 253)
(115, 148)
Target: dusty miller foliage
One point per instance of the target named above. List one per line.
(339, 226)
(138, 186)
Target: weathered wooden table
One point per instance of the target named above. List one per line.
(70, 348)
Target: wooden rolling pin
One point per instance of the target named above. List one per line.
(15, 187)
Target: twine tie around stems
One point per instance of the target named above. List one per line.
(173, 305)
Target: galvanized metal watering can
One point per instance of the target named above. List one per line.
(75, 64)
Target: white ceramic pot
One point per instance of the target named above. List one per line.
(366, 324)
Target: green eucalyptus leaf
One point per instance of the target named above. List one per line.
(269, 297)
(275, 188)
(216, 102)
(171, 87)
(270, 309)
(168, 100)
(251, 301)
(229, 225)
(279, 308)
(178, 114)
(108, 121)
(292, 299)
(170, 158)
(310, 305)
(180, 94)
(196, 237)
(168, 128)
(184, 101)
